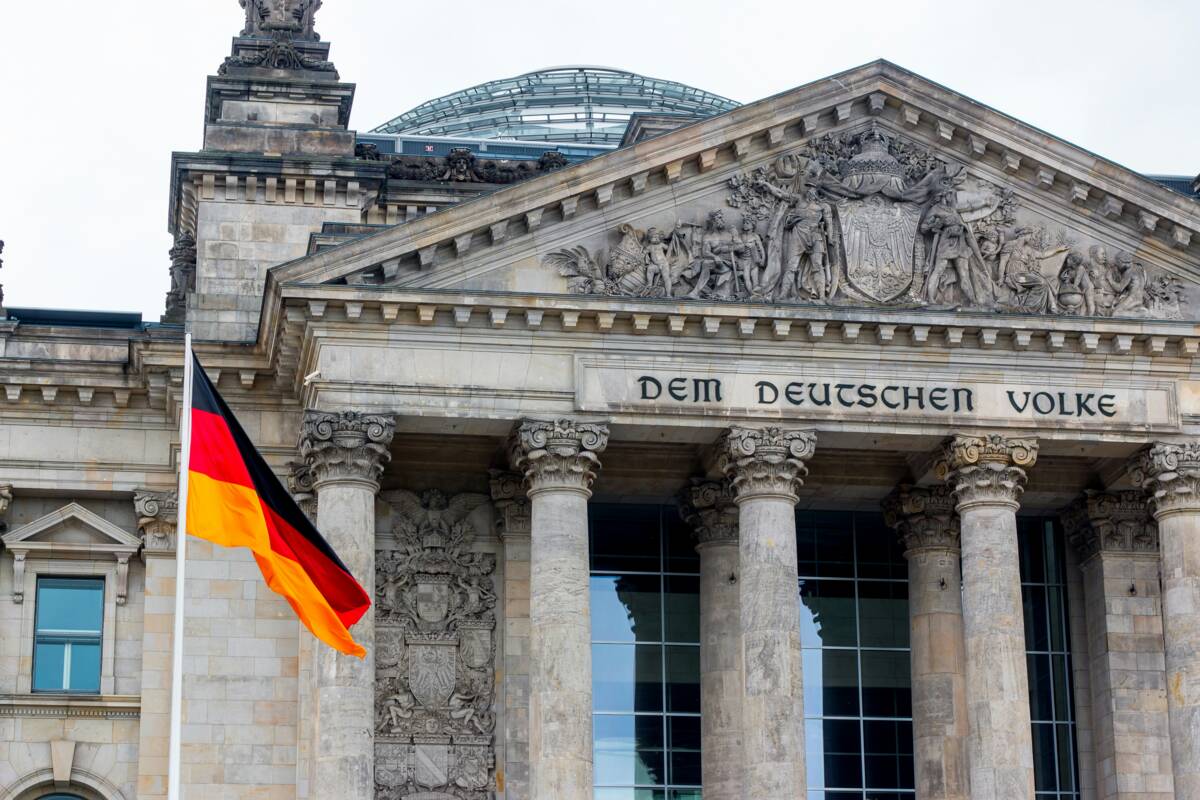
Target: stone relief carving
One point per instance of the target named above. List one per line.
(158, 514)
(435, 654)
(463, 166)
(263, 17)
(183, 276)
(6, 496)
(869, 219)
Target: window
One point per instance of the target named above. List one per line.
(1047, 638)
(645, 654)
(854, 634)
(66, 648)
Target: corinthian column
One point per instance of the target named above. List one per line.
(346, 453)
(765, 466)
(987, 475)
(926, 520)
(559, 460)
(709, 507)
(1170, 473)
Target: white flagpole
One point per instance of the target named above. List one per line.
(185, 439)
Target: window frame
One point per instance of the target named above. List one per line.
(70, 637)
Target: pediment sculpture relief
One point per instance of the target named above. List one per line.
(435, 654)
(869, 219)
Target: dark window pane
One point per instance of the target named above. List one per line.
(85, 667)
(1057, 621)
(48, 666)
(683, 741)
(1066, 758)
(886, 683)
(628, 749)
(825, 542)
(685, 794)
(1044, 757)
(1062, 691)
(682, 601)
(70, 604)
(880, 553)
(883, 614)
(624, 538)
(681, 555)
(1037, 633)
(1033, 561)
(830, 683)
(1041, 700)
(626, 607)
(827, 615)
(627, 677)
(683, 679)
(887, 754)
(843, 754)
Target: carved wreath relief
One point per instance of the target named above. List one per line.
(435, 655)
(870, 219)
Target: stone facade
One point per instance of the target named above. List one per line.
(709, 313)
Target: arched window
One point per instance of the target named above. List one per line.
(60, 796)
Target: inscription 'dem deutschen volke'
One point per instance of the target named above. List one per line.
(889, 397)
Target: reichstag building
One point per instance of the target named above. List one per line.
(843, 445)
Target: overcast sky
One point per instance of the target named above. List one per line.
(95, 94)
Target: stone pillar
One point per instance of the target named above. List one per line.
(513, 523)
(559, 459)
(709, 507)
(926, 520)
(1117, 542)
(987, 475)
(765, 466)
(1171, 475)
(300, 484)
(157, 514)
(346, 452)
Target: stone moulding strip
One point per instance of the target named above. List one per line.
(896, 329)
(998, 151)
(58, 706)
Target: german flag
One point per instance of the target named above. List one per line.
(234, 500)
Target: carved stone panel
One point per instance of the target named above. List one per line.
(435, 655)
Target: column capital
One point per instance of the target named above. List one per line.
(709, 507)
(557, 454)
(1110, 522)
(986, 470)
(513, 518)
(300, 482)
(765, 462)
(924, 518)
(158, 515)
(346, 446)
(1170, 475)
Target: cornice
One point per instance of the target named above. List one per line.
(60, 705)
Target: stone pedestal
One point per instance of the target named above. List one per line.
(709, 507)
(559, 460)
(1117, 543)
(926, 520)
(987, 474)
(765, 466)
(1171, 475)
(346, 453)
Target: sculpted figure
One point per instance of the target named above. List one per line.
(749, 254)
(1129, 284)
(1101, 269)
(802, 234)
(715, 265)
(399, 706)
(1021, 273)
(1076, 292)
(950, 254)
(658, 261)
(257, 13)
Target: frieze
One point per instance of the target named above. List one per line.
(435, 653)
(462, 166)
(870, 219)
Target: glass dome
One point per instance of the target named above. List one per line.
(560, 104)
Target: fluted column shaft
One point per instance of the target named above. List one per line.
(709, 507)
(926, 520)
(559, 459)
(346, 453)
(765, 466)
(987, 475)
(1171, 475)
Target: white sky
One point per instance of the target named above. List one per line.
(95, 94)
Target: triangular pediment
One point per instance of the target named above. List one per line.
(877, 147)
(72, 530)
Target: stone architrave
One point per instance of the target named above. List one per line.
(1117, 541)
(928, 525)
(513, 523)
(765, 466)
(346, 452)
(559, 459)
(709, 507)
(987, 475)
(1170, 474)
